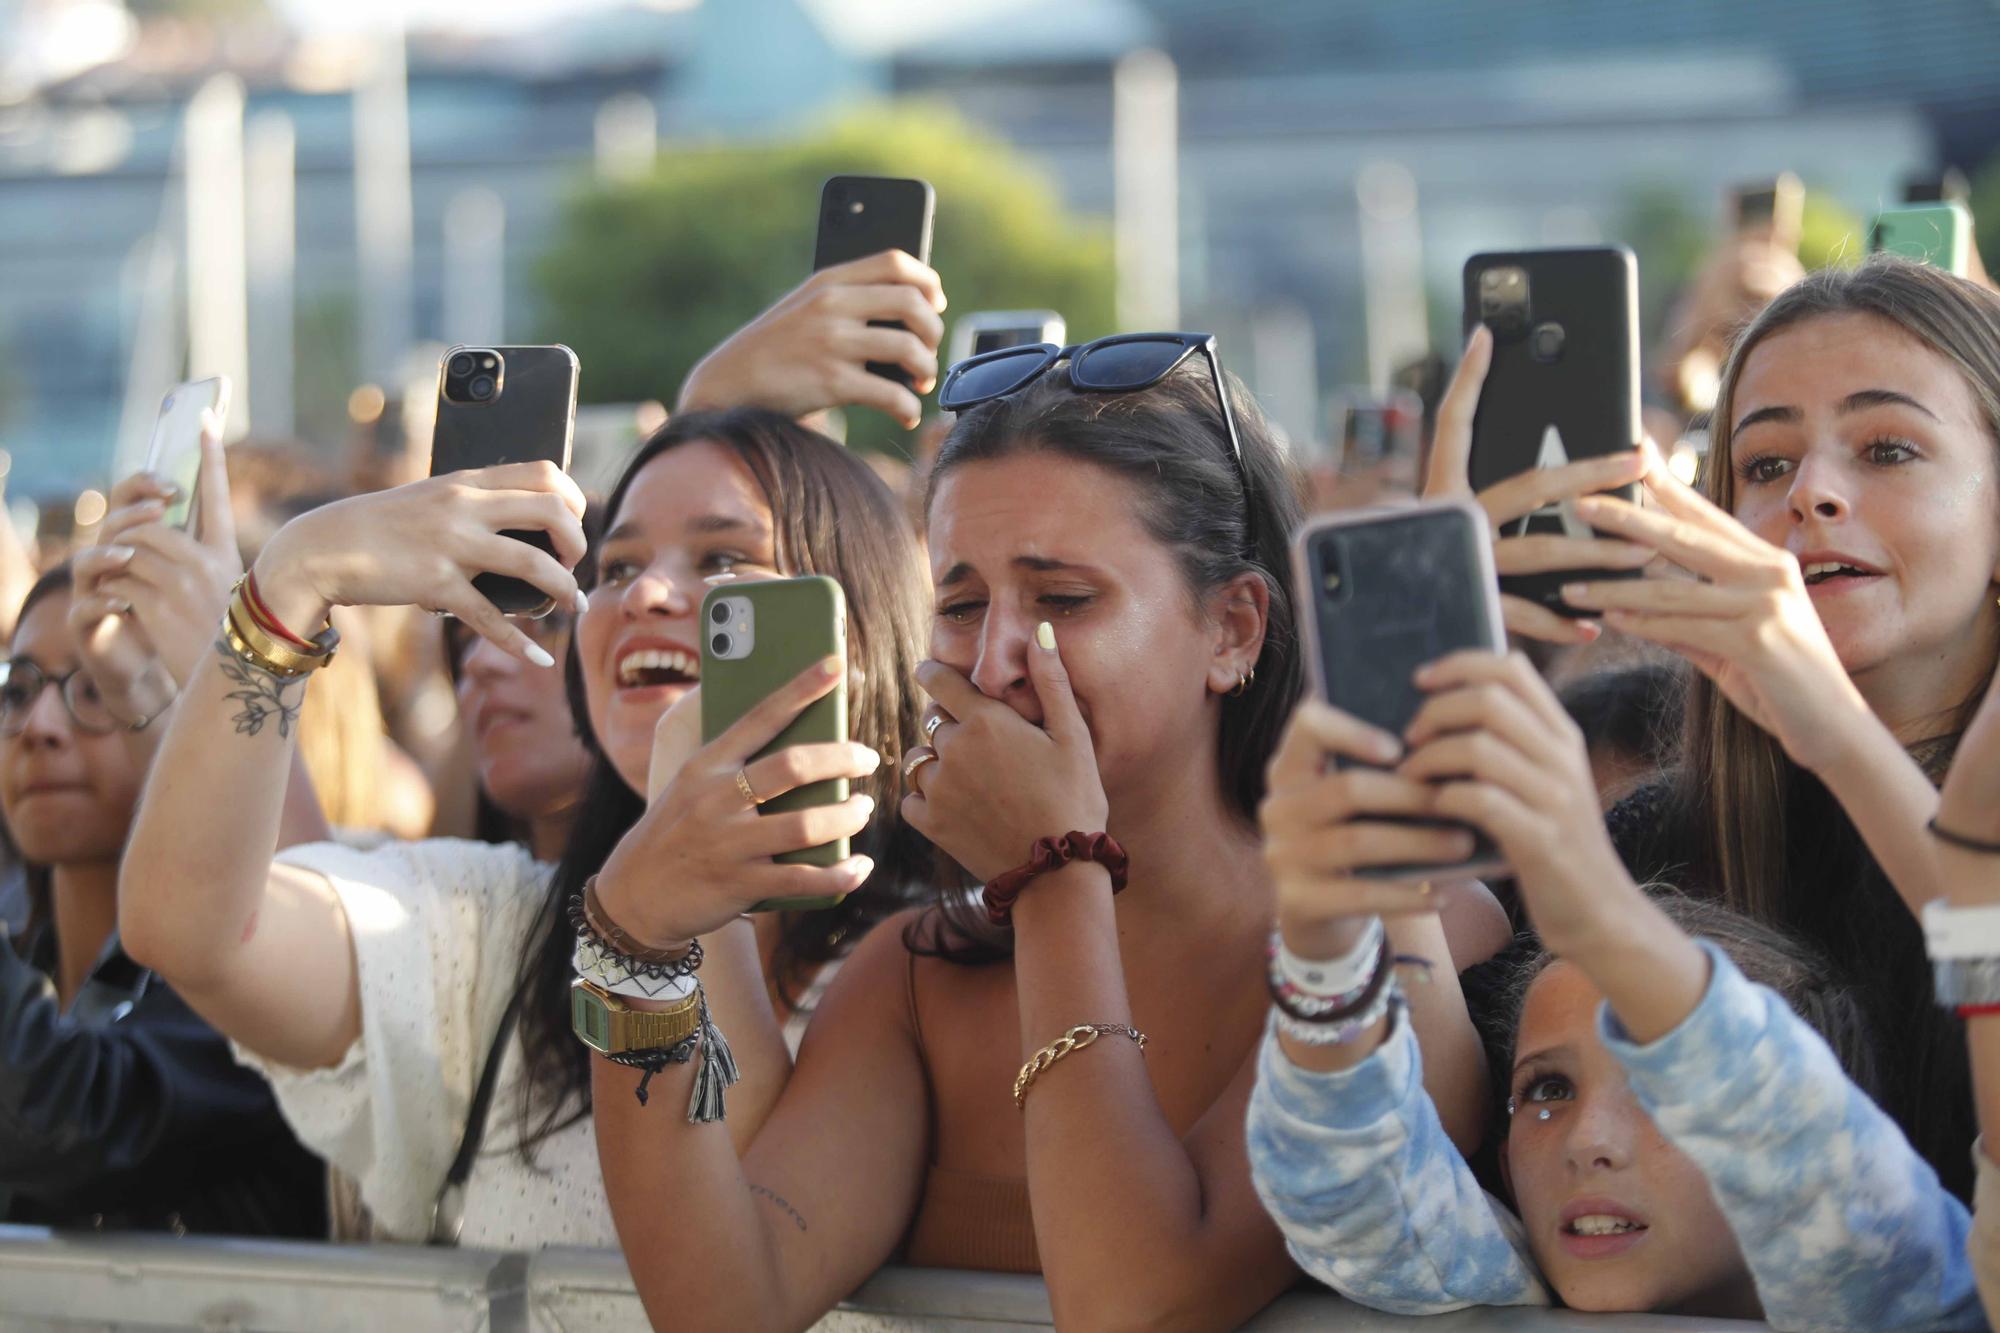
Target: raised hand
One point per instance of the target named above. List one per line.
(1516, 497)
(701, 854)
(810, 350)
(422, 545)
(999, 782)
(1323, 824)
(1745, 619)
(1969, 806)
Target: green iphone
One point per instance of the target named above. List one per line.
(756, 637)
(1939, 234)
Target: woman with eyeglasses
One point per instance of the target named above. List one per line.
(120, 1109)
(1049, 1072)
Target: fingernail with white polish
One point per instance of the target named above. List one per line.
(1045, 635)
(582, 601)
(540, 655)
(119, 554)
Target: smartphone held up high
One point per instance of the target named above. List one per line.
(757, 636)
(865, 215)
(985, 331)
(1938, 234)
(1564, 383)
(506, 405)
(1383, 592)
(174, 455)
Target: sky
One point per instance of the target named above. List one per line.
(866, 23)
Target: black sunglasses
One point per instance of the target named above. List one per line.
(1122, 363)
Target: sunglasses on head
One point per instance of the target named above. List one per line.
(1122, 363)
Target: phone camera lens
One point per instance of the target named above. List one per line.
(480, 388)
(1546, 343)
(720, 643)
(461, 365)
(720, 615)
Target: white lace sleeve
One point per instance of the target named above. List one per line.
(437, 929)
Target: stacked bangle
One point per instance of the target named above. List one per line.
(268, 646)
(1331, 1019)
(587, 915)
(1964, 945)
(1309, 989)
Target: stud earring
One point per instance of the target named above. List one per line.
(1510, 1108)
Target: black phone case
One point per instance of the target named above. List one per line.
(1582, 404)
(531, 417)
(895, 215)
(1383, 592)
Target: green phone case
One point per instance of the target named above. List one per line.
(794, 623)
(1939, 234)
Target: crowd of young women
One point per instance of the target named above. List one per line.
(1052, 1027)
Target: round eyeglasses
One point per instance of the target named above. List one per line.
(22, 683)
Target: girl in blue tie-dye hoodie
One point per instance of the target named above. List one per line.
(1679, 1139)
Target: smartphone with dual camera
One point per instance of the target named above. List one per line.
(757, 636)
(1382, 592)
(865, 215)
(506, 405)
(1564, 383)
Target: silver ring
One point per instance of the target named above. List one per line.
(931, 725)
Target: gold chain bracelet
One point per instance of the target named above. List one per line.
(1078, 1037)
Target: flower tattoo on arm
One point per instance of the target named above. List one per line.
(262, 695)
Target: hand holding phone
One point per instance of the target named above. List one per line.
(808, 352)
(1383, 593)
(499, 405)
(866, 215)
(756, 636)
(1939, 234)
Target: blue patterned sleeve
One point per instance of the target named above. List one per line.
(1843, 1225)
(1372, 1197)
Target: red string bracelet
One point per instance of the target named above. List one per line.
(267, 622)
(1978, 1010)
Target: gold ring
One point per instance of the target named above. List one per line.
(749, 792)
(914, 760)
(931, 725)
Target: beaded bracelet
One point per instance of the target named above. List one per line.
(1304, 1008)
(588, 918)
(1346, 1030)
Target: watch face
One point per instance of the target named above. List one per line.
(590, 1017)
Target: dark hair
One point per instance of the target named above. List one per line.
(1633, 712)
(1768, 834)
(60, 578)
(489, 822)
(831, 515)
(1801, 975)
(1171, 445)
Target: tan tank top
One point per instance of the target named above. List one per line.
(966, 1220)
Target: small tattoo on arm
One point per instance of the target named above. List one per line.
(262, 695)
(790, 1211)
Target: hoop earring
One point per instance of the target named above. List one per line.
(1243, 684)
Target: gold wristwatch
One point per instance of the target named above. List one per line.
(609, 1026)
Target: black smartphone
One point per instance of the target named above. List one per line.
(1947, 187)
(865, 215)
(506, 405)
(1564, 383)
(1382, 592)
(1775, 208)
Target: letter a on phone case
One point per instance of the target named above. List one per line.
(1553, 455)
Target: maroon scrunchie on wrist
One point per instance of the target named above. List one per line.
(1052, 854)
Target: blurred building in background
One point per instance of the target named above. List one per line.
(1336, 160)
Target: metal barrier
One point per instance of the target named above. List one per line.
(72, 1282)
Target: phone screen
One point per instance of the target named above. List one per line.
(175, 453)
(995, 340)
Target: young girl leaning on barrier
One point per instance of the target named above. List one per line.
(1683, 1134)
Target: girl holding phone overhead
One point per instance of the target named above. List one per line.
(1110, 660)
(386, 992)
(1837, 588)
(1681, 1103)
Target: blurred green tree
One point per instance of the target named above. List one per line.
(644, 277)
(1831, 235)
